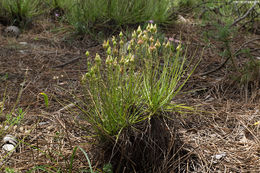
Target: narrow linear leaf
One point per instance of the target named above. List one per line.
(46, 100)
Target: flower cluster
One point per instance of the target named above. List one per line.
(143, 72)
(122, 55)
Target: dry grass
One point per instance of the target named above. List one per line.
(228, 130)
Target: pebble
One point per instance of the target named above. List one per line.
(12, 31)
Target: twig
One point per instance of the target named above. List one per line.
(71, 105)
(245, 15)
(230, 57)
(69, 62)
(216, 69)
(222, 65)
(244, 44)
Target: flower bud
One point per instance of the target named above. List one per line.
(121, 43)
(127, 61)
(132, 58)
(140, 36)
(168, 45)
(122, 60)
(121, 35)
(140, 42)
(109, 60)
(87, 53)
(87, 74)
(132, 42)
(115, 62)
(152, 48)
(121, 69)
(157, 44)
(115, 51)
(178, 47)
(98, 59)
(134, 35)
(148, 28)
(109, 50)
(114, 41)
(151, 39)
(145, 37)
(89, 65)
(153, 28)
(93, 69)
(113, 38)
(139, 30)
(106, 44)
(145, 32)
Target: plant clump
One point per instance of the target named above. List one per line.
(129, 98)
(87, 16)
(20, 12)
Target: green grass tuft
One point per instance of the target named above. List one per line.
(138, 80)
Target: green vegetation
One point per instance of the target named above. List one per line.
(132, 86)
(46, 99)
(107, 14)
(227, 19)
(11, 119)
(121, 94)
(21, 12)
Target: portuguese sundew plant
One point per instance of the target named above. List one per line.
(131, 86)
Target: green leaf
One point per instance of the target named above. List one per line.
(46, 100)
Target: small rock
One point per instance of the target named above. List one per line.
(8, 147)
(218, 157)
(12, 31)
(9, 139)
(10, 143)
(23, 43)
(15, 127)
(181, 19)
(43, 123)
(21, 51)
(21, 129)
(27, 131)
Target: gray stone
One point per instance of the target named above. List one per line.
(12, 31)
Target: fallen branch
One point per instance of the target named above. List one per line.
(69, 62)
(223, 64)
(244, 16)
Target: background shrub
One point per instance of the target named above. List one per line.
(85, 15)
(21, 12)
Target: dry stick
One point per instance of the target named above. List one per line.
(245, 15)
(244, 44)
(222, 65)
(234, 23)
(73, 60)
(252, 19)
(69, 62)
